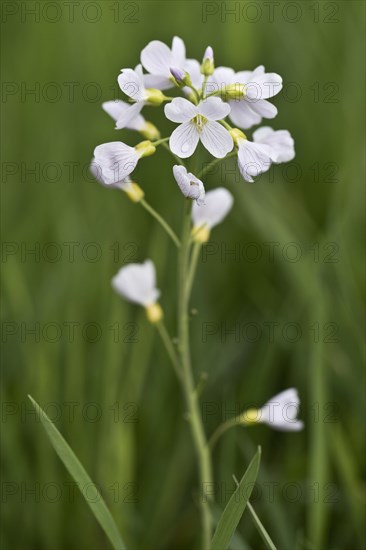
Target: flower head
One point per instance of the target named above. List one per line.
(253, 158)
(158, 58)
(198, 123)
(279, 141)
(247, 93)
(116, 160)
(280, 412)
(131, 188)
(217, 205)
(137, 283)
(190, 186)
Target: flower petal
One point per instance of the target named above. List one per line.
(116, 161)
(253, 159)
(213, 108)
(131, 84)
(264, 108)
(217, 205)
(263, 86)
(178, 52)
(180, 110)
(216, 139)
(190, 186)
(243, 115)
(157, 81)
(156, 58)
(128, 116)
(184, 140)
(281, 142)
(136, 283)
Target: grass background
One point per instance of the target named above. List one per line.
(114, 396)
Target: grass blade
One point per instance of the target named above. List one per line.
(235, 507)
(261, 529)
(77, 472)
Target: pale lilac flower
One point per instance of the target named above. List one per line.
(158, 58)
(190, 186)
(279, 413)
(279, 141)
(218, 204)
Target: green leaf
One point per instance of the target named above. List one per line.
(76, 470)
(235, 507)
(261, 529)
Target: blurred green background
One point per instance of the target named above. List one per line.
(96, 365)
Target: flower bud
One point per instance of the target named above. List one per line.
(154, 313)
(150, 131)
(181, 78)
(208, 65)
(145, 148)
(154, 97)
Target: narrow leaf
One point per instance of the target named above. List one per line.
(235, 507)
(76, 470)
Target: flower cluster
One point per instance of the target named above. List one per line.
(210, 97)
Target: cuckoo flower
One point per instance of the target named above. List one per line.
(198, 123)
(247, 93)
(217, 205)
(279, 413)
(253, 158)
(137, 283)
(131, 188)
(190, 186)
(158, 58)
(132, 84)
(116, 160)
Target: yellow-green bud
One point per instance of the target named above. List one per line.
(251, 416)
(201, 234)
(134, 192)
(154, 97)
(234, 91)
(150, 131)
(146, 148)
(154, 313)
(237, 134)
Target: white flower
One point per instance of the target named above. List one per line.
(190, 186)
(217, 205)
(158, 58)
(118, 109)
(247, 92)
(281, 411)
(131, 188)
(116, 160)
(199, 123)
(137, 283)
(254, 158)
(279, 141)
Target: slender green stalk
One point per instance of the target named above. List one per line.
(198, 434)
(160, 141)
(223, 428)
(168, 344)
(162, 222)
(193, 267)
(260, 528)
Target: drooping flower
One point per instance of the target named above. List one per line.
(217, 205)
(132, 84)
(247, 93)
(117, 110)
(137, 283)
(190, 186)
(198, 122)
(131, 188)
(279, 141)
(158, 58)
(253, 158)
(279, 413)
(116, 160)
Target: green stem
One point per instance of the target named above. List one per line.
(224, 427)
(198, 434)
(260, 527)
(206, 168)
(193, 267)
(168, 344)
(162, 222)
(160, 141)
